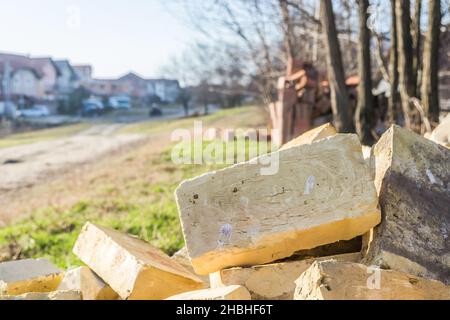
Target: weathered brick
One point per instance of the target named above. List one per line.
(412, 178)
(322, 193)
(132, 268)
(274, 281)
(30, 275)
(334, 280)
(88, 283)
(324, 131)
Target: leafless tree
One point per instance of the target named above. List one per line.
(393, 111)
(405, 58)
(336, 77)
(429, 90)
(416, 36)
(364, 116)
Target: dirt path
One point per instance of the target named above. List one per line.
(27, 165)
(59, 173)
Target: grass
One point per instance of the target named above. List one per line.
(42, 135)
(133, 194)
(228, 118)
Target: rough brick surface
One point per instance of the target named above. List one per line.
(133, 268)
(322, 193)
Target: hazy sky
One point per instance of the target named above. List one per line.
(115, 36)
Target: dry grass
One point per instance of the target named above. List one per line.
(131, 191)
(42, 135)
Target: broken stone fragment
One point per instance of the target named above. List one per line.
(338, 280)
(412, 178)
(88, 283)
(271, 281)
(181, 256)
(233, 292)
(132, 268)
(324, 131)
(29, 275)
(55, 295)
(321, 193)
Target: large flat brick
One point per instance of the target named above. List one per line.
(324, 131)
(182, 257)
(412, 177)
(88, 283)
(29, 275)
(322, 193)
(132, 268)
(274, 281)
(334, 280)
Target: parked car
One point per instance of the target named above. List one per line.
(92, 107)
(155, 112)
(36, 111)
(120, 102)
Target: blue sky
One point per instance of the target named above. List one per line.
(115, 36)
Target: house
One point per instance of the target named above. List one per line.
(28, 78)
(68, 79)
(50, 74)
(166, 90)
(84, 72)
(106, 87)
(136, 87)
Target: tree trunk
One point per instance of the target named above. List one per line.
(430, 87)
(394, 113)
(287, 29)
(416, 45)
(364, 117)
(405, 58)
(339, 96)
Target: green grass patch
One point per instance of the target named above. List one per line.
(147, 210)
(187, 123)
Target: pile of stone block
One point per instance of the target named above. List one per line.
(278, 235)
(333, 222)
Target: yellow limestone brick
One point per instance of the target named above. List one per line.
(412, 178)
(88, 283)
(324, 131)
(132, 268)
(334, 280)
(322, 193)
(274, 281)
(29, 275)
(181, 256)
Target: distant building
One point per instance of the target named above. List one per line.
(135, 86)
(33, 78)
(105, 87)
(28, 80)
(50, 74)
(68, 79)
(166, 90)
(84, 72)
